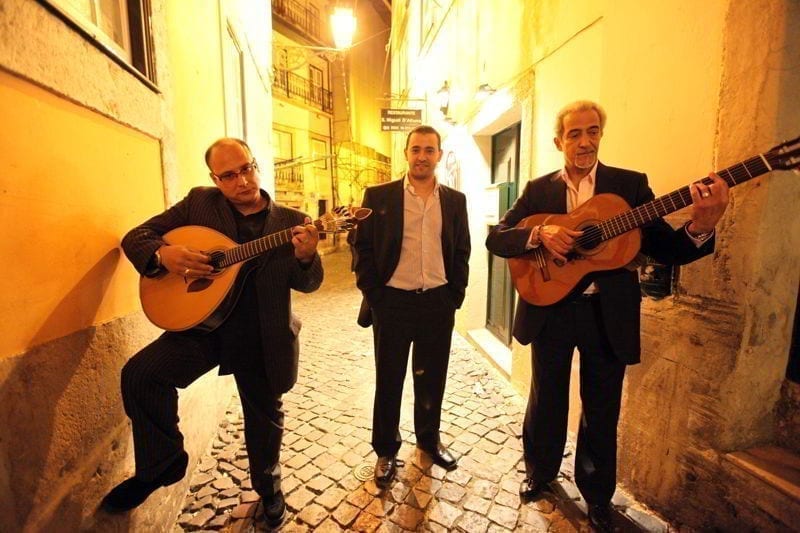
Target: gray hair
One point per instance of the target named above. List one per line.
(579, 105)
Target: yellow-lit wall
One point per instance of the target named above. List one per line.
(369, 80)
(76, 181)
(90, 151)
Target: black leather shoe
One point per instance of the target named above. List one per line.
(600, 518)
(385, 471)
(530, 489)
(441, 456)
(274, 509)
(133, 492)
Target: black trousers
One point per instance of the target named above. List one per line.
(150, 380)
(400, 319)
(575, 323)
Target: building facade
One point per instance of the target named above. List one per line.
(711, 414)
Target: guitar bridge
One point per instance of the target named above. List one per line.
(541, 263)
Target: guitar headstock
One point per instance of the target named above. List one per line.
(342, 219)
(785, 156)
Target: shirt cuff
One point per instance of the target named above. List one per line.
(698, 240)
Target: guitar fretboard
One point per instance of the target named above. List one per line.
(256, 247)
(664, 205)
(248, 250)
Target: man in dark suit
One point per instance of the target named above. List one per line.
(412, 268)
(600, 318)
(257, 342)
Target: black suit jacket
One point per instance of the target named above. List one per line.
(276, 272)
(380, 236)
(620, 296)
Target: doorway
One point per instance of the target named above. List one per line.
(505, 175)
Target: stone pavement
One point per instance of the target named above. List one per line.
(327, 460)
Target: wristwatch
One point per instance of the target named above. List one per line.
(699, 236)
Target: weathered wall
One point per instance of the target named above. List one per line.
(718, 372)
(91, 151)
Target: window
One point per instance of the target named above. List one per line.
(319, 152)
(315, 75)
(120, 28)
(282, 144)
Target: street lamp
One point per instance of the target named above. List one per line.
(343, 25)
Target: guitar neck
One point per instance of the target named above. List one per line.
(664, 205)
(253, 248)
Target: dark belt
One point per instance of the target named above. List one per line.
(417, 291)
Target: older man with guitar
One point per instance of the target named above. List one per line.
(244, 325)
(574, 294)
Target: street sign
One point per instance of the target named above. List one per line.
(400, 119)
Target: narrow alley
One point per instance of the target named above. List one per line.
(327, 460)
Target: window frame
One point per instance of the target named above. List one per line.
(141, 62)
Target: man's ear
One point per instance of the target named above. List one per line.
(212, 178)
(557, 142)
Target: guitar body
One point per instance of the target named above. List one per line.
(175, 303)
(539, 280)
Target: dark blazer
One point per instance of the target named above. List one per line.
(380, 236)
(277, 271)
(620, 296)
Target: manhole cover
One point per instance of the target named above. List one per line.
(364, 471)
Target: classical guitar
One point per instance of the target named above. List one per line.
(612, 237)
(175, 303)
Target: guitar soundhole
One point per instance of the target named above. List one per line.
(216, 261)
(592, 238)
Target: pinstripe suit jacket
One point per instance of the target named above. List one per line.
(620, 296)
(276, 272)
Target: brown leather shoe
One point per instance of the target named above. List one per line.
(385, 471)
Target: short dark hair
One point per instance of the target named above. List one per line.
(226, 141)
(424, 130)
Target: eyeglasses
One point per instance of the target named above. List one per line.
(246, 171)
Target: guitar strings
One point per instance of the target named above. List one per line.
(619, 224)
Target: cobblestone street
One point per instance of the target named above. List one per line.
(327, 459)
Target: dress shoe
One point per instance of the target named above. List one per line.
(274, 509)
(529, 489)
(133, 492)
(441, 456)
(385, 471)
(600, 518)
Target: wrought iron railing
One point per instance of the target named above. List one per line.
(295, 86)
(299, 15)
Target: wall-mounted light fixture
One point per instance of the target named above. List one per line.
(484, 91)
(443, 95)
(343, 26)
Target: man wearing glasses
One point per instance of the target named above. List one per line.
(260, 333)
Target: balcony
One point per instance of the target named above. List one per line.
(296, 87)
(302, 16)
(289, 184)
